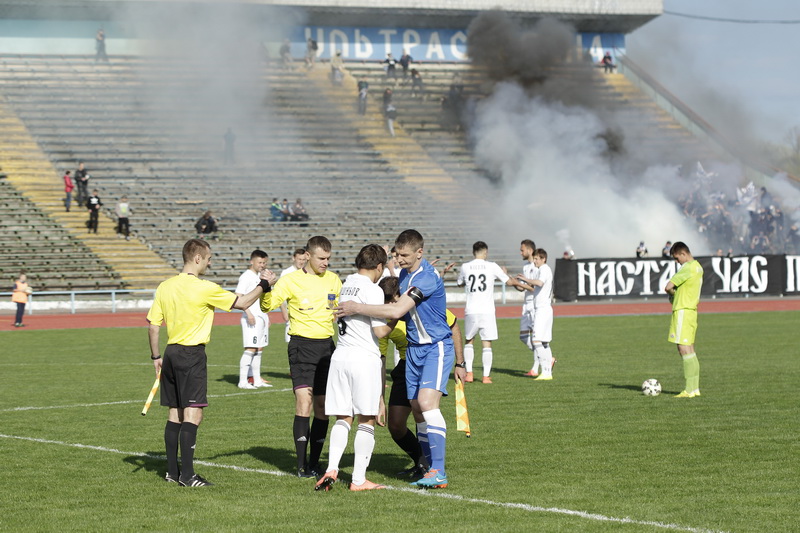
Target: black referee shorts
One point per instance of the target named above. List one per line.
(184, 376)
(309, 363)
(399, 394)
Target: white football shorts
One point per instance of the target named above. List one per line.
(256, 336)
(483, 324)
(543, 324)
(354, 383)
(526, 322)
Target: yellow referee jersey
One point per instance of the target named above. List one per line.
(398, 336)
(186, 303)
(306, 296)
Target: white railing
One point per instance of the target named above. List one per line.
(141, 299)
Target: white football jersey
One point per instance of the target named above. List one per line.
(530, 271)
(247, 282)
(478, 277)
(543, 296)
(355, 331)
(288, 270)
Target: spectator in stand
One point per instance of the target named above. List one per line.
(337, 68)
(390, 65)
(665, 250)
(794, 239)
(387, 97)
(363, 94)
(608, 63)
(275, 212)
(641, 250)
(206, 225)
(759, 244)
(93, 204)
(417, 86)
(68, 188)
(123, 211)
(100, 46)
(82, 182)
(391, 116)
(230, 140)
(405, 62)
(19, 296)
(299, 213)
(286, 209)
(285, 51)
(311, 52)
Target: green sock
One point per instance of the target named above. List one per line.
(691, 371)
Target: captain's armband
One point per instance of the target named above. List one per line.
(415, 295)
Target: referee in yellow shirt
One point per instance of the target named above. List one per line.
(311, 294)
(186, 303)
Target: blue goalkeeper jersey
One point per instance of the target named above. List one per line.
(426, 323)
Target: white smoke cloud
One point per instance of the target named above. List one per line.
(556, 176)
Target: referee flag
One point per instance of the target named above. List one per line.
(462, 416)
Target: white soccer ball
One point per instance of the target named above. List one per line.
(651, 387)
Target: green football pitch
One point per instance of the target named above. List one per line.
(584, 452)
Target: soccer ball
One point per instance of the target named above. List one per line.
(651, 387)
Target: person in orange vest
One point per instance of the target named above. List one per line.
(19, 296)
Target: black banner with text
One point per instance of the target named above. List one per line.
(602, 278)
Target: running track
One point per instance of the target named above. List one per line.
(137, 319)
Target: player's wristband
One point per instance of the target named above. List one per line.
(264, 284)
(461, 365)
(156, 358)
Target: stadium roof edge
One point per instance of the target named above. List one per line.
(618, 16)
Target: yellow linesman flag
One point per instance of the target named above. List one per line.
(462, 415)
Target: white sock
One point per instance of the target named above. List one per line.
(396, 356)
(363, 445)
(547, 361)
(469, 356)
(538, 354)
(338, 442)
(255, 367)
(244, 366)
(487, 361)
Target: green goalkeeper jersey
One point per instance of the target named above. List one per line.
(688, 281)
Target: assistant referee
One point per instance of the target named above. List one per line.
(310, 293)
(186, 303)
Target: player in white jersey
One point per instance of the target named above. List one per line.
(529, 271)
(542, 332)
(255, 325)
(357, 374)
(298, 262)
(478, 277)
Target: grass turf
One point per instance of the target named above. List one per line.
(588, 441)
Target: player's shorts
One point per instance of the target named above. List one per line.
(526, 321)
(355, 384)
(184, 376)
(428, 366)
(256, 336)
(398, 395)
(484, 324)
(542, 324)
(309, 361)
(683, 327)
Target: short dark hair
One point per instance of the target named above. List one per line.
(529, 243)
(540, 252)
(194, 247)
(318, 241)
(410, 238)
(679, 247)
(390, 287)
(258, 253)
(298, 251)
(370, 257)
(479, 246)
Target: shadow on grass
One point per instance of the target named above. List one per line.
(510, 372)
(157, 465)
(279, 458)
(635, 388)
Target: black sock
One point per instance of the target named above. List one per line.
(188, 440)
(319, 430)
(171, 432)
(409, 444)
(300, 439)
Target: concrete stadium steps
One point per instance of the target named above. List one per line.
(126, 264)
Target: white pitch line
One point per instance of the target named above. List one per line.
(449, 496)
(123, 402)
